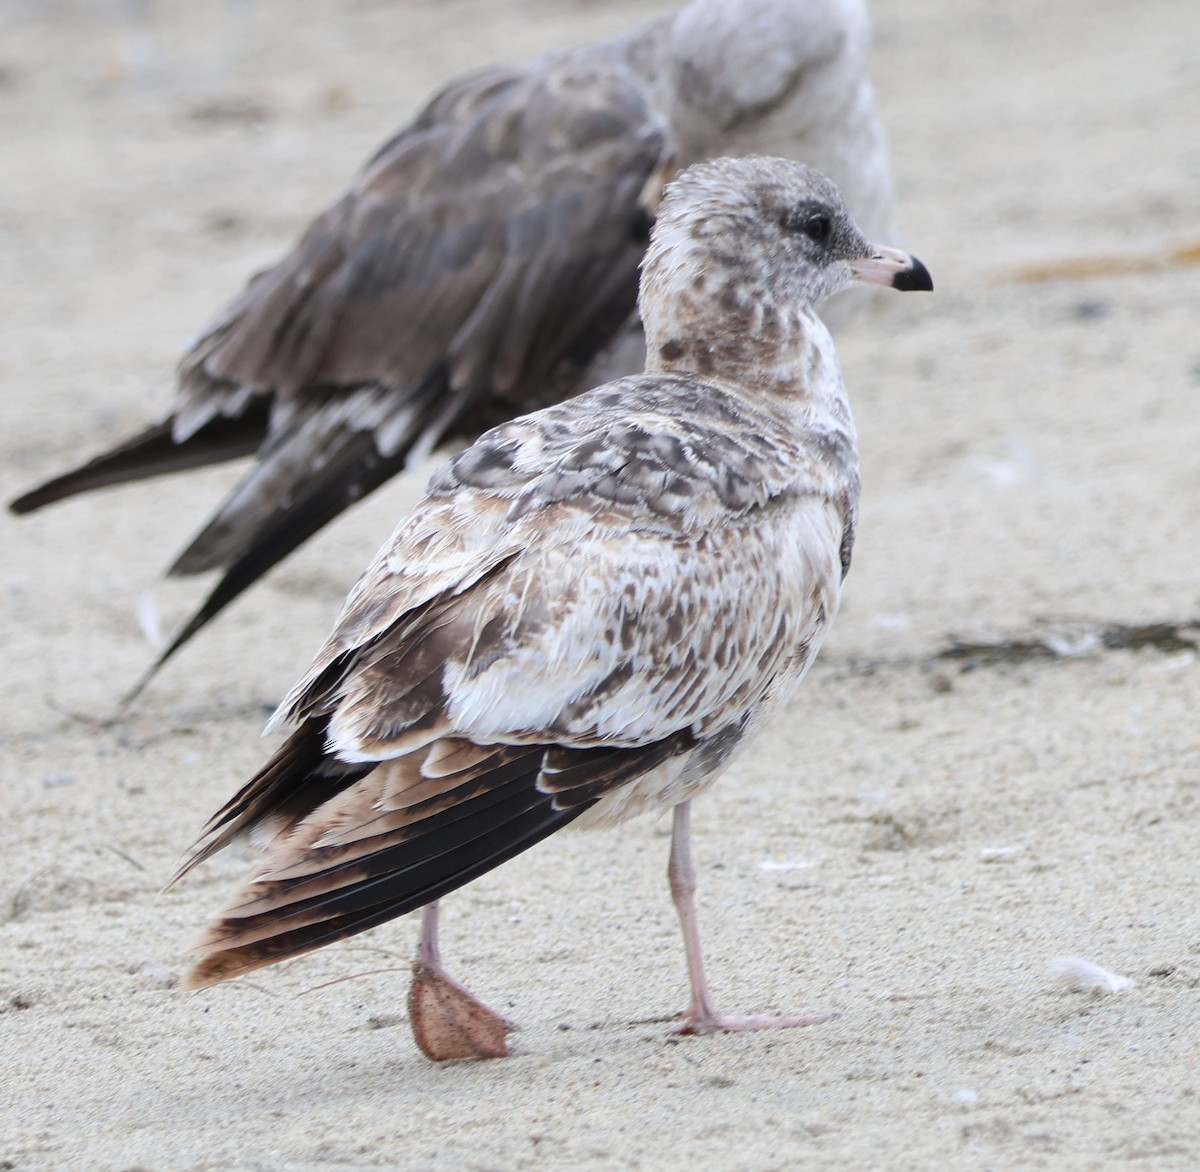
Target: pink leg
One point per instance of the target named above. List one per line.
(701, 1017)
(446, 1020)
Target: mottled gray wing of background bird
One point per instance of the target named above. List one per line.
(485, 264)
(474, 270)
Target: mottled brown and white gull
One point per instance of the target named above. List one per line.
(484, 263)
(590, 611)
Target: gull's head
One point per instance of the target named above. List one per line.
(753, 235)
(738, 62)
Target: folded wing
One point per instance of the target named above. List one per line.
(508, 663)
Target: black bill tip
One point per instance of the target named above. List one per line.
(913, 279)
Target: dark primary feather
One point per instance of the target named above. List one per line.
(153, 452)
(351, 467)
(483, 258)
(381, 859)
(499, 814)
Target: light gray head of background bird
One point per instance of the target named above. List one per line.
(733, 64)
(787, 78)
(742, 253)
(728, 57)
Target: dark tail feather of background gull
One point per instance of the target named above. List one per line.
(506, 283)
(152, 452)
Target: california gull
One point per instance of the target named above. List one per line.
(484, 263)
(590, 610)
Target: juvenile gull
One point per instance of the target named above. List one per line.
(484, 264)
(588, 613)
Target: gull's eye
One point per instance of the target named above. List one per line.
(808, 220)
(816, 228)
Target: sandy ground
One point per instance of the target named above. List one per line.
(911, 846)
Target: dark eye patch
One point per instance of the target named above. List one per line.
(817, 228)
(811, 220)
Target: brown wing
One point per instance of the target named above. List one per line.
(482, 259)
(511, 659)
(358, 845)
